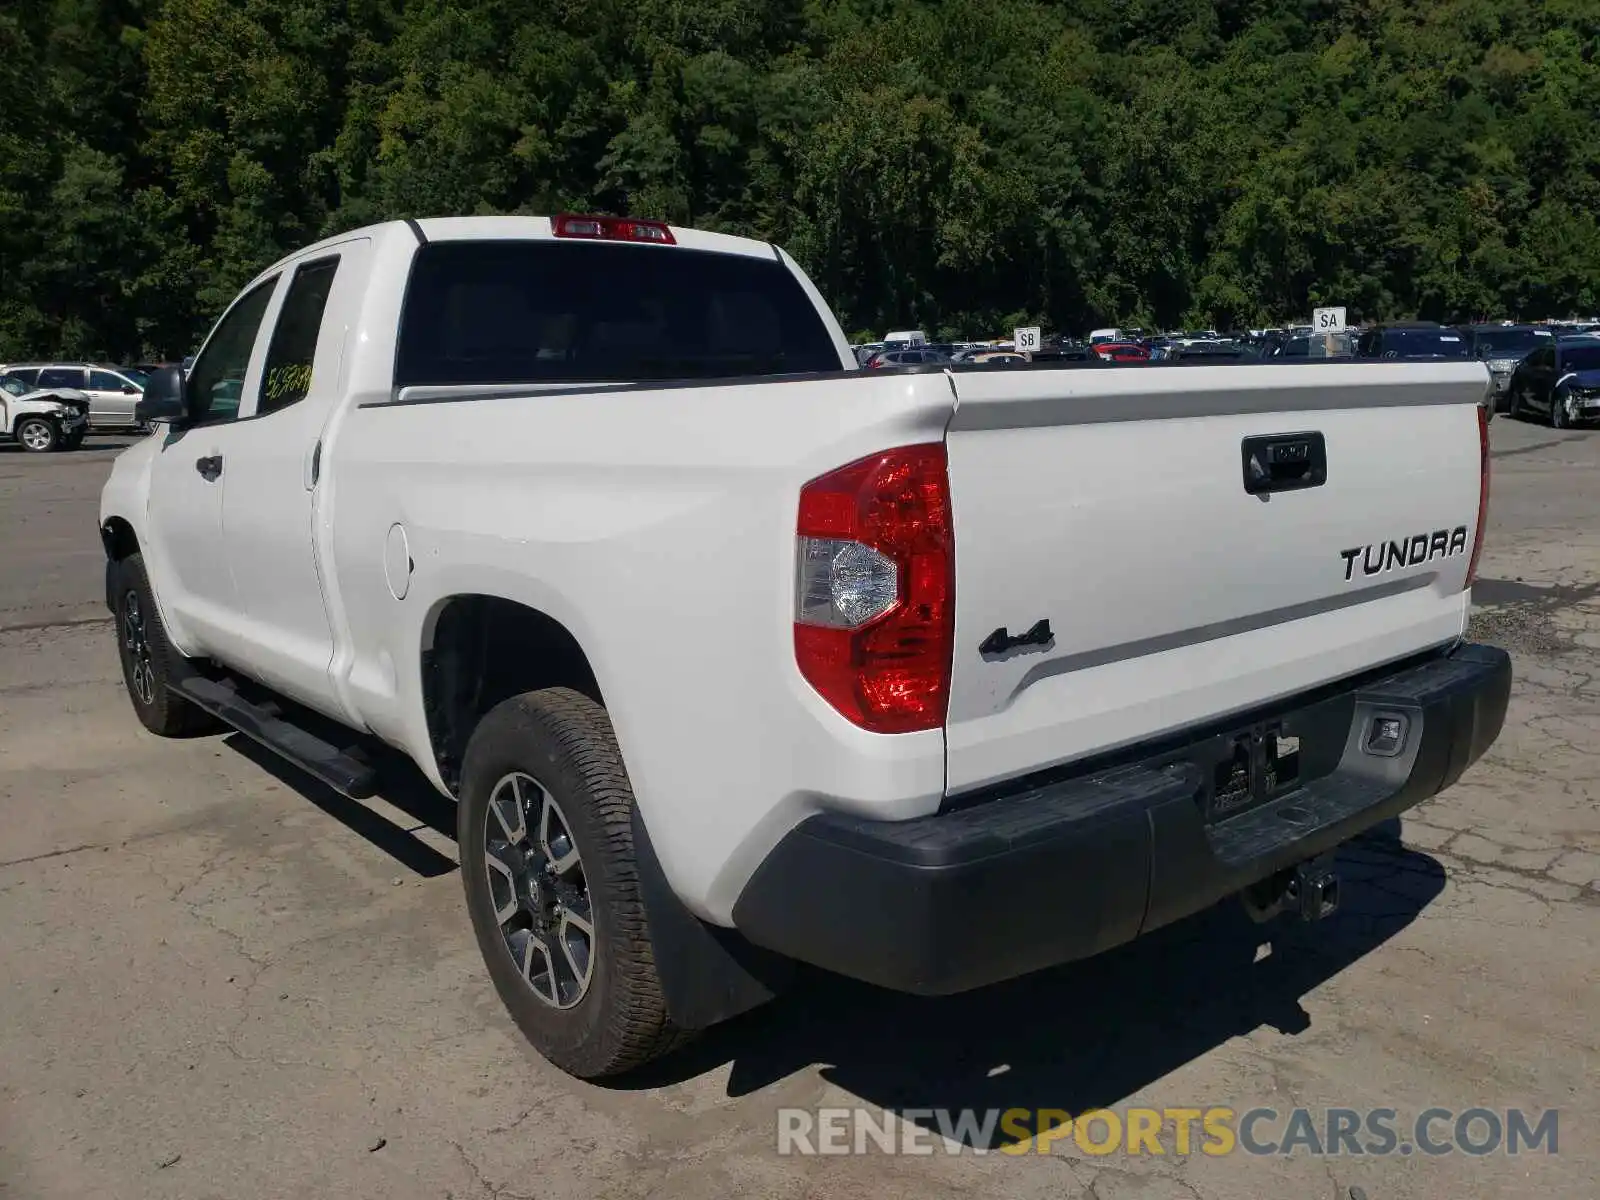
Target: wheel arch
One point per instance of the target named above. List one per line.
(120, 541)
(118, 537)
(479, 649)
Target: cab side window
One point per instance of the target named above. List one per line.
(105, 381)
(216, 384)
(67, 377)
(287, 377)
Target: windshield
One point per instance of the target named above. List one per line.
(1580, 358)
(14, 385)
(1423, 343)
(1510, 343)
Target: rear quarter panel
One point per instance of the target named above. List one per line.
(658, 526)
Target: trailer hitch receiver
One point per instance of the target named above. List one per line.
(1310, 890)
(1313, 889)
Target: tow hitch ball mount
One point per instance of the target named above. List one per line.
(1309, 890)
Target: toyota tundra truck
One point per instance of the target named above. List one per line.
(734, 656)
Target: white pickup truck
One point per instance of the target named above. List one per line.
(735, 655)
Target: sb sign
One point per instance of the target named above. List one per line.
(1327, 320)
(1025, 339)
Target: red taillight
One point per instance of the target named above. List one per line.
(1483, 493)
(612, 229)
(875, 589)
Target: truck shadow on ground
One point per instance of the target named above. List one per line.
(400, 785)
(1079, 1037)
(1083, 1036)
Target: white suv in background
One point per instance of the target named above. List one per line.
(112, 391)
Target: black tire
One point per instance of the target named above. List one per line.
(562, 741)
(37, 434)
(1558, 413)
(149, 661)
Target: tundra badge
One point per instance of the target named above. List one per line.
(1405, 552)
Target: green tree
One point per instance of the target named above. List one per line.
(945, 163)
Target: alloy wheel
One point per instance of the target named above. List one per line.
(136, 645)
(539, 891)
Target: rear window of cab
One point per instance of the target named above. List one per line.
(551, 311)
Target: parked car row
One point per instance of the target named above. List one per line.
(53, 405)
(112, 391)
(1546, 371)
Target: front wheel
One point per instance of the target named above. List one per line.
(545, 831)
(38, 434)
(150, 663)
(1559, 419)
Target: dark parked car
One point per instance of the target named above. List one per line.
(1503, 347)
(1065, 354)
(1559, 382)
(1317, 345)
(1412, 340)
(1213, 352)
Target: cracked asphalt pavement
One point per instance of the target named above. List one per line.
(220, 981)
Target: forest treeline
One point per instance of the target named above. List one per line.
(962, 165)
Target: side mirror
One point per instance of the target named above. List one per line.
(164, 397)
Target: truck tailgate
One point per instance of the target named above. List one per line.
(1113, 505)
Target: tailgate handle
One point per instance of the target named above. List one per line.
(1284, 462)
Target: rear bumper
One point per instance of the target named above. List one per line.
(1061, 868)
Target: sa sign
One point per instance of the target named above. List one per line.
(1026, 340)
(1327, 320)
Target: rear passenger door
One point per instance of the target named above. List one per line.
(275, 476)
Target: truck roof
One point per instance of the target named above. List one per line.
(520, 228)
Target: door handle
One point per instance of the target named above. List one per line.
(210, 467)
(1284, 462)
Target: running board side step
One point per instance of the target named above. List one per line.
(305, 750)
